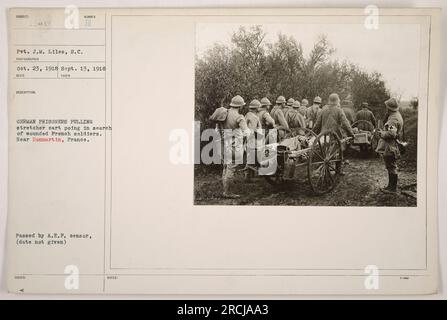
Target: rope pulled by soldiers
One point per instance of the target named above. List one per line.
(264, 120)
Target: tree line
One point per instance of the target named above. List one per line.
(253, 68)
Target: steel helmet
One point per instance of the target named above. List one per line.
(296, 104)
(281, 99)
(305, 102)
(254, 104)
(265, 102)
(237, 102)
(290, 101)
(334, 99)
(317, 100)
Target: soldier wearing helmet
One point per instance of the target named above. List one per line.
(251, 117)
(278, 115)
(296, 105)
(305, 103)
(332, 118)
(302, 109)
(263, 114)
(296, 119)
(235, 129)
(313, 111)
(254, 139)
(288, 110)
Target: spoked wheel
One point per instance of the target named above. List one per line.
(307, 137)
(325, 162)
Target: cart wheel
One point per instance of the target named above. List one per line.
(324, 163)
(278, 179)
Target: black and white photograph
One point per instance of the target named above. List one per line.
(307, 114)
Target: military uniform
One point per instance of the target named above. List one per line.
(288, 110)
(365, 115)
(288, 113)
(388, 146)
(349, 113)
(302, 110)
(254, 125)
(265, 118)
(332, 118)
(252, 120)
(235, 129)
(255, 140)
(312, 114)
(278, 116)
(297, 120)
(305, 103)
(218, 116)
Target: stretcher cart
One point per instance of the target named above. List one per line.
(320, 157)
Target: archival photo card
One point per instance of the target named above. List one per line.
(223, 151)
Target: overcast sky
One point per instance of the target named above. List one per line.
(393, 50)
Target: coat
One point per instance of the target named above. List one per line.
(296, 120)
(278, 115)
(349, 113)
(254, 124)
(289, 113)
(265, 118)
(302, 110)
(253, 121)
(332, 118)
(365, 115)
(312, 113)
(236, 127)
(388, 145)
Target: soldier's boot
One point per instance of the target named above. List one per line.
(387, 188)
(390, 178)
(393, 185)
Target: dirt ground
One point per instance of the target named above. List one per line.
(358, 187)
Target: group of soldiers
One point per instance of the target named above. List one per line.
(290, 115)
